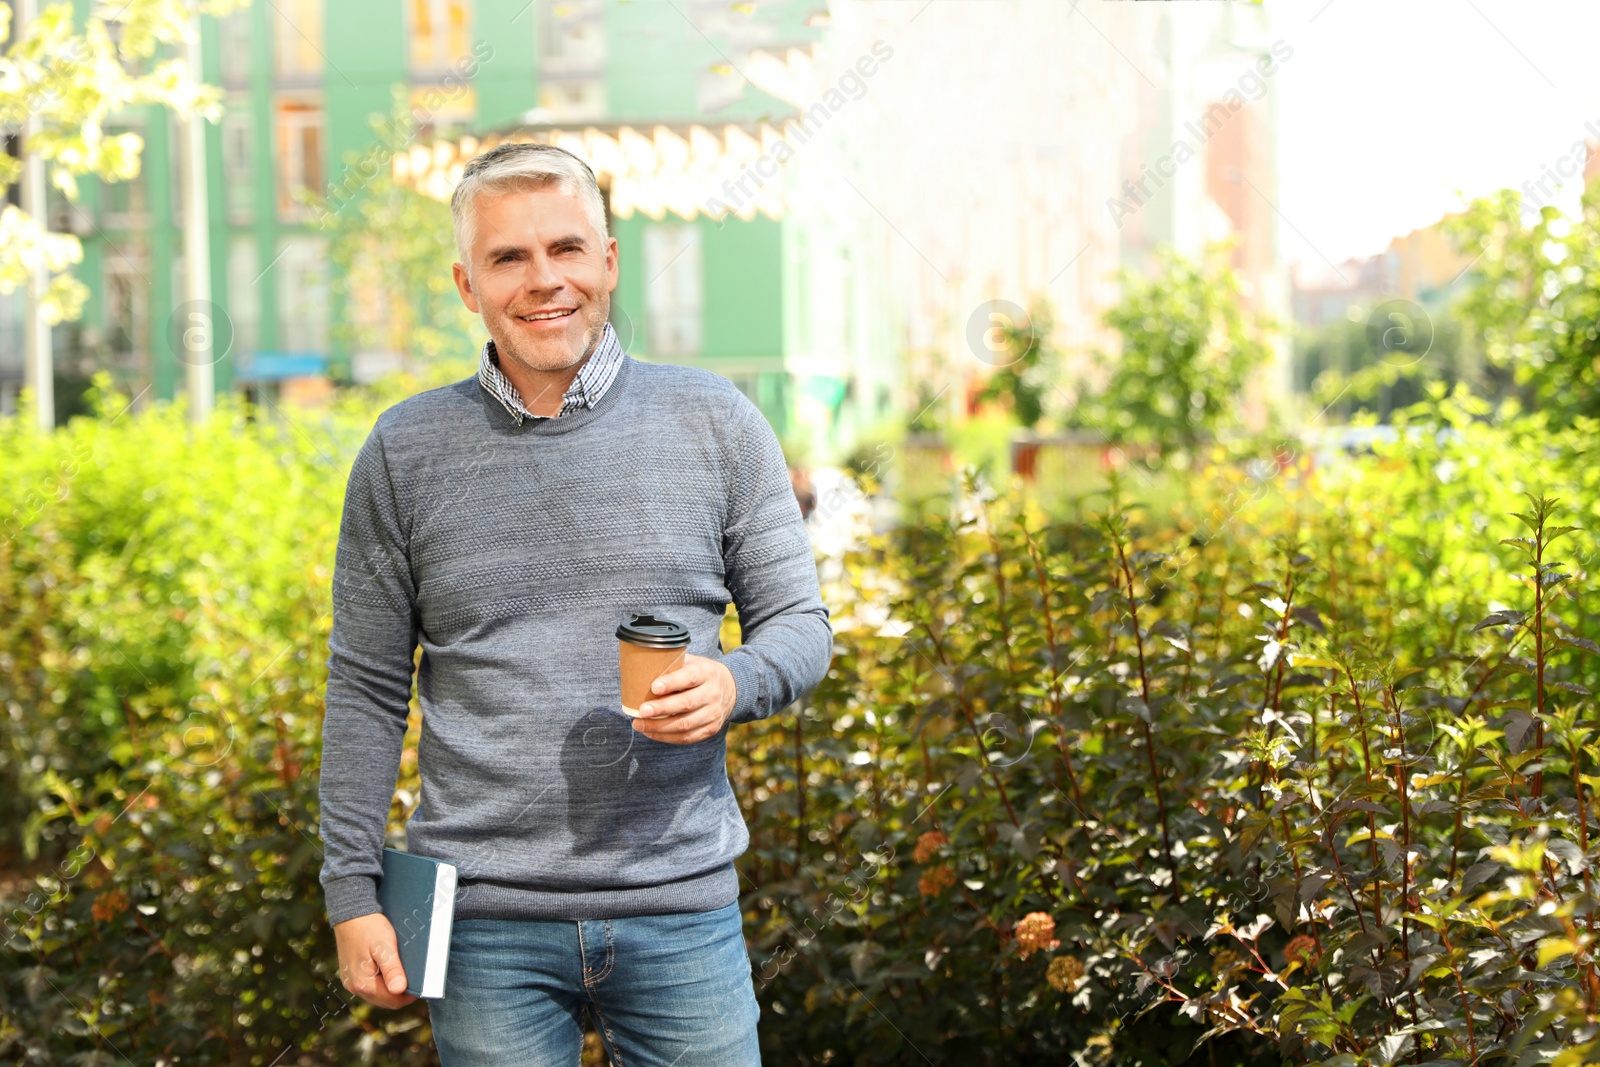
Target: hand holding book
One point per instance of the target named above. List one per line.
(369, 961)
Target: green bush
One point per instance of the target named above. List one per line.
(1301, 774)
(163, 630)
(1298, 775)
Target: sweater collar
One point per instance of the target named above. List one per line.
(598, 373)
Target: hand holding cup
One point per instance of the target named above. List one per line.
(674, 696)
(689, 704)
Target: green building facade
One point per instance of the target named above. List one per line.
(302, 80)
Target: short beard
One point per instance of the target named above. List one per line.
(598, 315)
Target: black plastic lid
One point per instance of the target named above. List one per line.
(651, 632)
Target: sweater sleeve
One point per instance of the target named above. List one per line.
(771, 572)
(370, 663)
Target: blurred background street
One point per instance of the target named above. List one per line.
(840, 207)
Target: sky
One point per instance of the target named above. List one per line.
(1393, 113)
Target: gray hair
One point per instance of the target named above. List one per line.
(522, 165)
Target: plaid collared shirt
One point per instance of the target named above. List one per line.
(591, 383)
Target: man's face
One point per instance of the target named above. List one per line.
(541, 277)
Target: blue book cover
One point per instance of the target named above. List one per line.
(418, 896)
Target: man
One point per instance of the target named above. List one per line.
(509, 523)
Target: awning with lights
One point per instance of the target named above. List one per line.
(687, 170)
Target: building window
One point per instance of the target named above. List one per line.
(299, 144)
(302, 273)
(127, 307)
(236, 38)
(574, 39)
(443, 110)
(65, 216)
(672, 292)
(439, 30)
(573, 101)
(13, 310)
(125, 204)
(238, 154)
(244, 294)
(297, 50)
(13, 193)
(572, 59)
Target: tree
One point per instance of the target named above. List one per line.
(1188, 345)
(1536, 297)
(1343, 371)
(393, 247)
(1024, 379)
(72, 83)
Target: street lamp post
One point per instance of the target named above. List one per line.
(38, 365)
(197, 331)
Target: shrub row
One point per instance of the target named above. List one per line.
(1303, 773)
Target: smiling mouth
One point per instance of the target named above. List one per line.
(548, 316)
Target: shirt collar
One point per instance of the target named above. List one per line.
(588, 386)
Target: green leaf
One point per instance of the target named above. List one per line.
(1578, 642)
(1555, 948)
(1501, 618)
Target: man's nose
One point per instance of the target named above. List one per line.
(541, 274)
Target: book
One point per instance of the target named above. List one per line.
(418, 896)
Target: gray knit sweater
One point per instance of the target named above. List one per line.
(511, 553)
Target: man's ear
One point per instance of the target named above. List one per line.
(464, 287)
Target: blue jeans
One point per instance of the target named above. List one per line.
(664, 990)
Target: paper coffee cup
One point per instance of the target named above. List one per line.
(647, 648)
